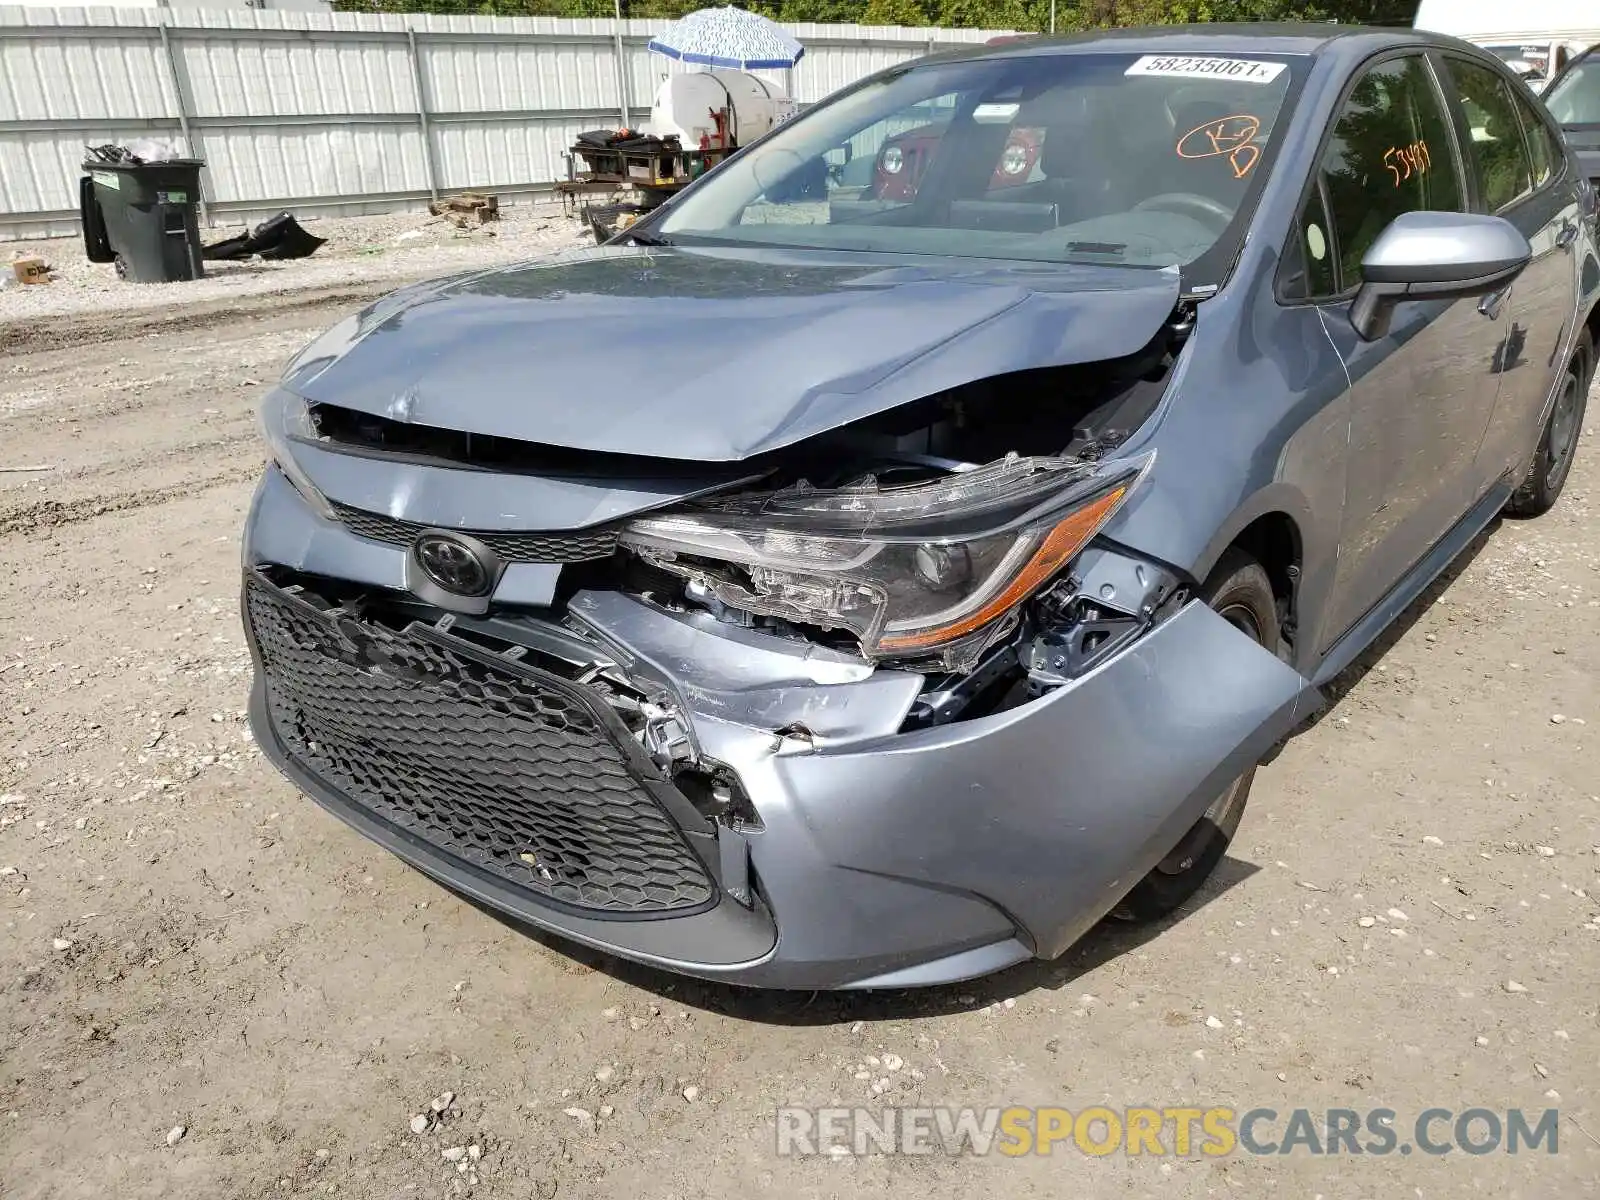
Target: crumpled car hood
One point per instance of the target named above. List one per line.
(715, 355)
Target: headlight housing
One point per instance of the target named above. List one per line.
(285, 419)
(925, 570)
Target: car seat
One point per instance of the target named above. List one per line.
(1073, 162)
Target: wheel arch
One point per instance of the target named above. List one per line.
(1276, 527)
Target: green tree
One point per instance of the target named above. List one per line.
(664, 10)
(826, 12)
(895, 12)
(988, 14)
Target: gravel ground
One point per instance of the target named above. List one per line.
(208, 987)
(392, 247)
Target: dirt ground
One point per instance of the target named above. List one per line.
(355, 250)
(1410, 916)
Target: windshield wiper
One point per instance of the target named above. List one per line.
(1117, 248)
(645, 239)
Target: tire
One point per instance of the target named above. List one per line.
(1558, 443)
(1240, 591)
(96, 247)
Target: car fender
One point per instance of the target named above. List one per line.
(1074, 797)
(1278, 497)
(1257, 419)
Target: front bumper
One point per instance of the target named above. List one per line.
(882, 859)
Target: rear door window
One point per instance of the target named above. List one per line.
(1544, 150)
(1504, 165)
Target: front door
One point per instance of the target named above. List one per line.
(1422, 396)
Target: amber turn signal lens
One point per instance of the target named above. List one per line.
(1059, 547)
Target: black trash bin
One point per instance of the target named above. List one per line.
(142, 216)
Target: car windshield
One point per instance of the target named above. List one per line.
(1130, 159)
(1575, 99)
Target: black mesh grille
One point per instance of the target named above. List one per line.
(579, 546)
(500, 765)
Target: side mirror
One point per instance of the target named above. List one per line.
(1435, 256)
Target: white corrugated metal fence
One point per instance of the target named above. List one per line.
(345, 112)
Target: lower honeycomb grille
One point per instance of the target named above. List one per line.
(499, 765)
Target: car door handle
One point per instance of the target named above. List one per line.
(1568, 235)
(1491, 304)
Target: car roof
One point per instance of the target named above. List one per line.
(1287, 37)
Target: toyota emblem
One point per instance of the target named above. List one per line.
(452, 564)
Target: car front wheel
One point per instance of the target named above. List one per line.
(1241, 594)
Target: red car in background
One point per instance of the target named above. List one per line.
(905, 157)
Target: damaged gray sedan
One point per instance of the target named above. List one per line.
(846, 583)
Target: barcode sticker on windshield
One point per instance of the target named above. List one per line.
(1244, 70)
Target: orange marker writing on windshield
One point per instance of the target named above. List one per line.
(1232, 136)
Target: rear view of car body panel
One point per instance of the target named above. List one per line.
(868, 856)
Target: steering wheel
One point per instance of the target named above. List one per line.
(1190, 204)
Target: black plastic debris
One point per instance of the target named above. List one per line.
(282, 237)
(228, 249)
(279, 237)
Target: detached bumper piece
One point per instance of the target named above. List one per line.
(495, 765)
(279, 237)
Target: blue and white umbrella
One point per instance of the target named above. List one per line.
(728, 37)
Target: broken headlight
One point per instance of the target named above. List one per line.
(923, 569)
(286, 419)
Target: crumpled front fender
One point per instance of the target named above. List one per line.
(1054, 810)
(1048, 812)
